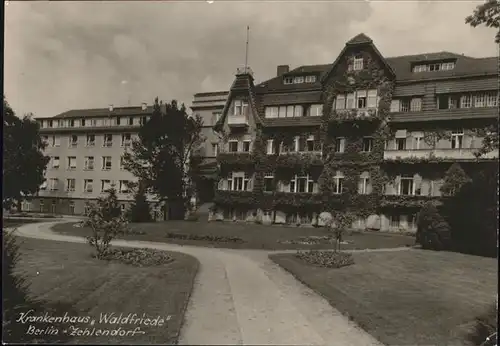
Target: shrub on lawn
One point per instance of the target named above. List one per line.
(139, 257)
(484, 330)
(213, 238)
(139, 210)
(433, 232)
(105, 221)
(328, 259)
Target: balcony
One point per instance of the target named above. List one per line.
(355, 114)
(237, 120)
(306, 159)
(466, 154)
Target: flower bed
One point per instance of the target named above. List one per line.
(139, 257)
(213, 238)
(328, 259)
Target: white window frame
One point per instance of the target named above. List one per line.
(370, 144)
(237, 177)
(309, 140)
(294, 184)
(270, 147)
(72, 142)
(357, 63)
(215, 148)
(249, 145)
(371, 99)
(361, 95)
(395, 219)
(90, 143)
(89, 163)
(229, 146)
(316, 110)
(492, 99)
(395, 106)
(340, 102)
(124, 186)
(106, 142)
(104, 183)
(339, 144)
(298, 111)
(365, 182)
(126, 142)
(288, 80)
(466, 101)
(416, 104)
(122, 167)
(480, 100)
(268, 176)
(70, 184)
(53, 182)
(310, 79)
(56, 140)
(298, 80)
(56, 162)
(350, 101)
(404, 105)
(417, 141)
(88, 185)
(401, 140)
(271, 112)
(338, 181)
(70, 160)
(457, 139)
(105, 160)
(400, 186)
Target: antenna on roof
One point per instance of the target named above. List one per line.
(246, 51)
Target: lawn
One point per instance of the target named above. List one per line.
(68, 280)
(413, 297)
(252, 236)
(14, 222)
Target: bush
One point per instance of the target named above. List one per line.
(328, 259)
(485, 327)
(139, 257)
(433, 232)
(139, 210)
(213, 238)
(105, 221)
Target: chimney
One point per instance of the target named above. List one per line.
(110, 108)
(144, 106)
(282, 69)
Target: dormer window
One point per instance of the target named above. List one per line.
(435, 66)
(298, 80)
(288, 80)
(358, 62)
(240, 107)
(310, 79)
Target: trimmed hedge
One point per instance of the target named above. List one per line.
(328, 259)
(213, 238)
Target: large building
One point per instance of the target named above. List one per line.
(85, 147)
(365, 136)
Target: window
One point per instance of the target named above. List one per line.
(108, 140)
(55, 162)
(240, 107)
(288, 80)
(367, 144)
(394, 220)
(42, 207)
(339, 145)
(89, 163)
(406, 186)
(480, 100)
(372, 99)
(53, 182)
(358, 62)
(71, 207)
(405, 105)
(466, 101)
(340, 102)
(350, 101)
(491, 100)
(88, 185)
(246, 146)
(395, 105)
(71, 162)
(310, 143)
(364, 185)
(233, 146)
(338, 180)
(53, 207)
(215, 149)
(361, 99)
(316, 110)
(298, 111)
(124, 186)
(51, 123)
(238, 181)
(271, 112)
(93, 122)
(290, 111)
(143, 120)
(400, 143)
(90, 140)
(417, 141)
(268, 182)
(298, 80)
(416, 105)
(70, 185)
(73, 141)
(457, 137)
(105, 185)
(56, 141)
(126, 139)
(419, 68)
(130, 121)
(72, 123)
(434, 67)
(122, 163)
(117, 121)
(310, 79)
(271, 148)
(106, 163)
(301, 184)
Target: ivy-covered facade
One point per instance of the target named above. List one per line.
(366, 139)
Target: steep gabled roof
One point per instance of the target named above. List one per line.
(276, 83)
(242, 84)
(360, 39)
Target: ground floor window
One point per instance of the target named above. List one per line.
(53, 207)
(72, 207)
(42, 206)
(394, 221)
(26, 206)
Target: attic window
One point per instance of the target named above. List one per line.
(358, 62)
(288, 80)
(435, 66)
(310, 79)
(298, 80)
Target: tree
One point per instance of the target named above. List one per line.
(454, 179)
(490, 141)
(140, 211)
(163, 157)
(106, 221)
(433, 232)
(487, 14)
(23, 161)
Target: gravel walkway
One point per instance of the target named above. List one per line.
(241, 297)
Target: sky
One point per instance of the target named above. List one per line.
(69, 55)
